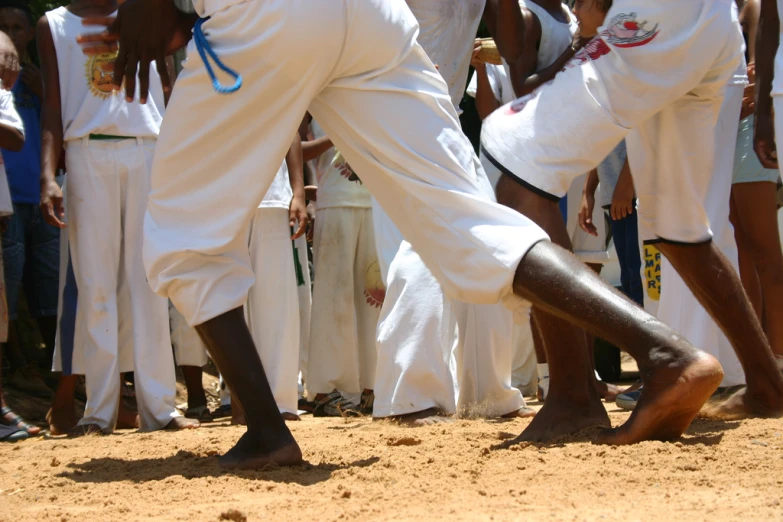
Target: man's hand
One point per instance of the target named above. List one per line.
(297, 212)
(764, 140)
(52, 204)
(31, 77)
(622, 199)
(474, 59)
(9, 62)
(586, 214)
(144, 30)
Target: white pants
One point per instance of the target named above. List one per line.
(108, 184)
(189, 349)
(347, 297)
(436, 352)
(272, 309)
(678, 307)
(376, 94)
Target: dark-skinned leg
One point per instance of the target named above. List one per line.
(267, 439)
(678, 378)
(716, 285)
(62, 415)
(573, 402)
(195, 386)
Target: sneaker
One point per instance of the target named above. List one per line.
(627, 400)
(334, 405)
(366, 403)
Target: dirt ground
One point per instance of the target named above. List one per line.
(365, 470)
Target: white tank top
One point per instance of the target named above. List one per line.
(556, 36)
(447, 29)
(89, 105)
(338, 184)
(279, 194)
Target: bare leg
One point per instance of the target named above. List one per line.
(713, 281)
(678, 378)
(267, 439)
(195, 386)
(62, 415)
(573, 402)
(747, 268)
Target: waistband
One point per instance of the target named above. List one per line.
(109, 141)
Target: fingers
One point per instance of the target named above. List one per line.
(131, 66)
(766, 154)
(144, 80)
(163, 72)
(49, 215)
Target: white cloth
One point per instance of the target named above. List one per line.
(777, 82)
(89, 103)
(659, 68)
(10, 118)
(678, 307)
(272, 309)
(108, 183)
(189, 349)
(347, 298)
(498, 81)
(376, 94)
(447, 28)
(279, 194)
(338, 184)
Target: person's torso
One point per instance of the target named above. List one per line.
(279, 194)
(24, 167)
(89, 104)
(338, 184)
(447, 29)
(556, 36)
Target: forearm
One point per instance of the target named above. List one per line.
(766, 49)
(51, 145)
(11, 139)
(295, 167)
(591, 183)
(543, 76)
(486, 103)
(314, 148)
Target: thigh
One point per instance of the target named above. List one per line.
(757, 217)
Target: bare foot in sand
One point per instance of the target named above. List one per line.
(127, 419)
(559, 418)
(608, 392)
(674, 392)
(61, 420)
(523, 412)
(745, 403)
(428, 417)
(250, 453)
(290, 416)
(181, 423)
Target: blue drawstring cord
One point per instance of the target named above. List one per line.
(204, 49)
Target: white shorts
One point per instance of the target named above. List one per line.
(356, 66)
(659, 68)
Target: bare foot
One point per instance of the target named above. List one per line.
(251, 453)
(127, 419)
(674, 392)
(523, 413)
(238, 418)
(84, 430)
(181, 423)
(743, 404)
(61, 420)
(559, 418)
(290, 416)
(608, 392)
(428, 417)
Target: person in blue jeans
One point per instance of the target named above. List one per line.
(31, 246)
(613, 180)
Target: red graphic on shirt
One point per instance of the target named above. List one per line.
(347, 172)
(625, 31)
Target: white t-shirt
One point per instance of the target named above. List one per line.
(279, 194)
(498, 80)
(338, 184)
(89, 104)
(206, 8)
(9, 117)
(777, 82)
(447, 29)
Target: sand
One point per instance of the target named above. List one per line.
(364, 470)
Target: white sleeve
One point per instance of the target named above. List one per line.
(472, 85)
(495, 82)
(8, 114)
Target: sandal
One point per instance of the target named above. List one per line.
(17, 422)
(224, 410)
(305, 405)
(366, 403)
(12, 434)
(334, 405)
(200, 413)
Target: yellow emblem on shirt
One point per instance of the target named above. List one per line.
(100, 74)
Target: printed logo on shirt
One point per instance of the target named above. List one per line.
(374, 291)
(626, 31)
(100, 74)
(345, 169)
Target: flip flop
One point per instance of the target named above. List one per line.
(17, 421)
(224, 410)
(12, 434)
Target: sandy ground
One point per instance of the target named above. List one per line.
(365, 470)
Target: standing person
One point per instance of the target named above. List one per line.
(420, 167)
(754, 211)
(12, 427)
(30, 245)
(110, 144)
(347, 292)
(651, 97)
